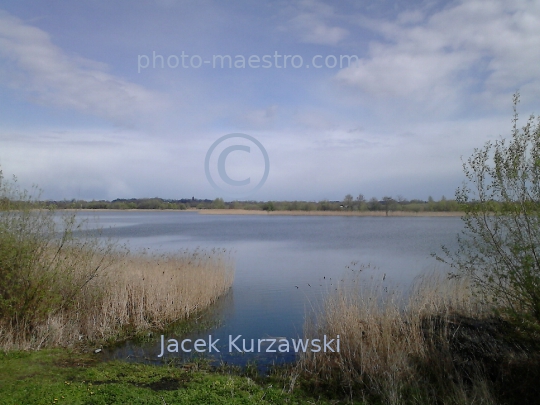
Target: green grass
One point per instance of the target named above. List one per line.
(65, 377)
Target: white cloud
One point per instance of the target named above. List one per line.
(315, 120)
(303, 164)
(411, 17)
(101, 163)
(311, 24)
(312, 29)
(259, 119)
(31, 62)
(487, 49)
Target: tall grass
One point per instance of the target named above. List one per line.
(59, 290)
(135, 294)
(151, 292)
(398, 349)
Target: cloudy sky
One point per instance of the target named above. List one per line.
(104, 100)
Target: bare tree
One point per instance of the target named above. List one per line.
(388, 201)
(361, 202)
(348, 201)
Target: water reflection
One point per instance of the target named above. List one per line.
(284, 266)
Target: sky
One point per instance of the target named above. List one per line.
(123, 99)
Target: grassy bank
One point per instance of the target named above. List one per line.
(438, 345)
(65, 377)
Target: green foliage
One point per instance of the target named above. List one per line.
(389, 204)
(361, 202)
(324, 205)
(269, 206)
(348, 202)
(218, 203)
(63, 377)
(123, 204)
(42, 265)
(293, 206)
(351, 204)
(500, 246)
(373, 204)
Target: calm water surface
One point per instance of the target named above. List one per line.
(284, 264)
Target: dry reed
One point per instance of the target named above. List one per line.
(153, 292)
(62, 284)
(134, 293)
(390, 350)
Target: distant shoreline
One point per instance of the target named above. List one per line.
(332, 213)
(290, 213)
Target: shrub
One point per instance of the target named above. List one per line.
(268, 206)
(499, 248)
(218, 203)
(60, 286)
(43, 267)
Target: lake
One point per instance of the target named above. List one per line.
(284, 264)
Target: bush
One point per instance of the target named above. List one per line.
(218, 203)
(499, 248)
(43, 268)
(268, 206)
(62, 286)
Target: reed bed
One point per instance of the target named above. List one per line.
(402, 349)
(152, 292)
(103, 295)
(62, 285)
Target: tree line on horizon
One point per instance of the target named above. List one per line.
(349, 203)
